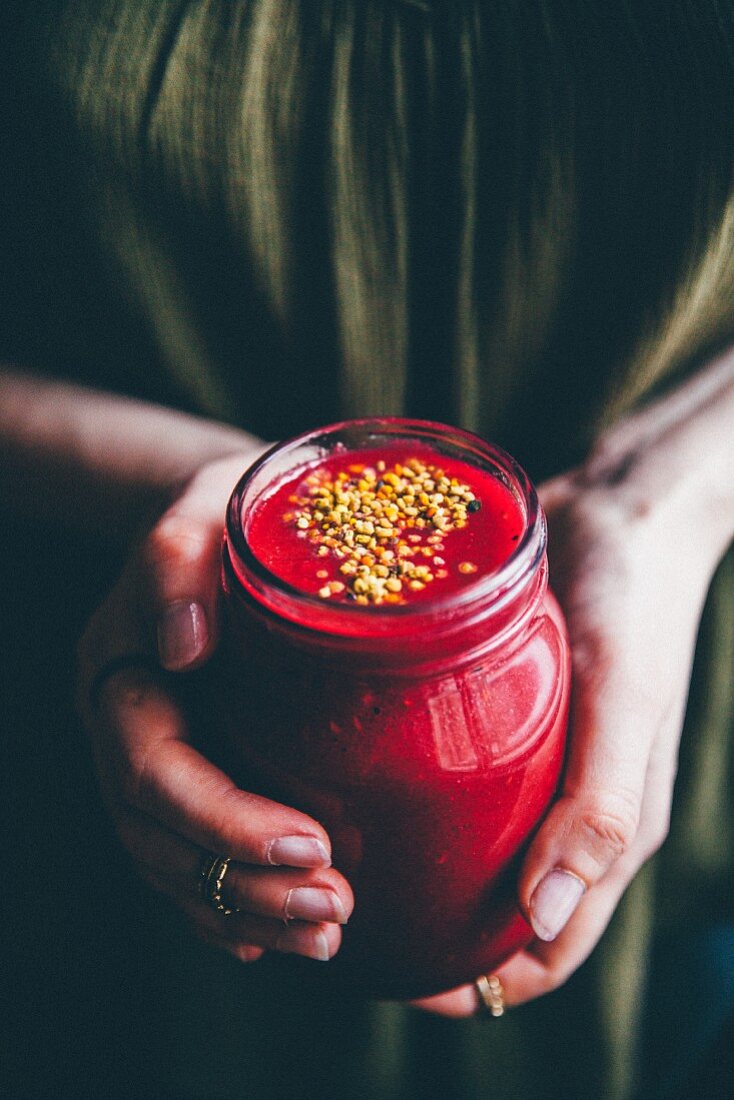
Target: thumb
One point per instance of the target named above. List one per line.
(596, 818)
(180, 563)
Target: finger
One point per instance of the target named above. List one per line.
(180, 561)
(149, 766)
(546, 966)
(287, 894)
(615, 804)
(180, 575)
(240, 932)
(595, 821)
(455, 1004)
(321, 896)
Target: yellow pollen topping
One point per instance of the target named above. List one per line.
(376, 522)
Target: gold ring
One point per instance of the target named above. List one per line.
(491, 994)
(213, 872)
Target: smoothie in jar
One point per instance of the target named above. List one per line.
(395, 667)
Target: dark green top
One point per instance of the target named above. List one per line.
(516, 217)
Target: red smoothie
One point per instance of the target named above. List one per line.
(396, 667)
(385, 528)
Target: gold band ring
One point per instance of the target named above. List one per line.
(213, 873)
(491, 994)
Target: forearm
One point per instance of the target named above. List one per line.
(99, 461)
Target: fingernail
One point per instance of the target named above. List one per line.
(298, 851)
(182, 634)
(312, 903)
(302, 940)
(553, 902)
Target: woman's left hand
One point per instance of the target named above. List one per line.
(635, 535)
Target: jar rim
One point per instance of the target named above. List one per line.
(491, 590)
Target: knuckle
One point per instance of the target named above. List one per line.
(609, 825)
(175, 541)
(606, 831)
(227, 805)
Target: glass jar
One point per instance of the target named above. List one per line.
(427, 738)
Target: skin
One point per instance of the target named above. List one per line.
(636, 533)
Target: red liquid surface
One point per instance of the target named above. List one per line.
(429, 779)
(493, 525)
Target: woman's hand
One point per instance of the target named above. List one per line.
(173, 808)
(635, 535)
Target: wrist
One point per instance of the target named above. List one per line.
(669, 468)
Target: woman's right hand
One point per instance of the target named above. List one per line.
(173, 809)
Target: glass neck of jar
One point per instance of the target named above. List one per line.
(493, 620)
(485, 614)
